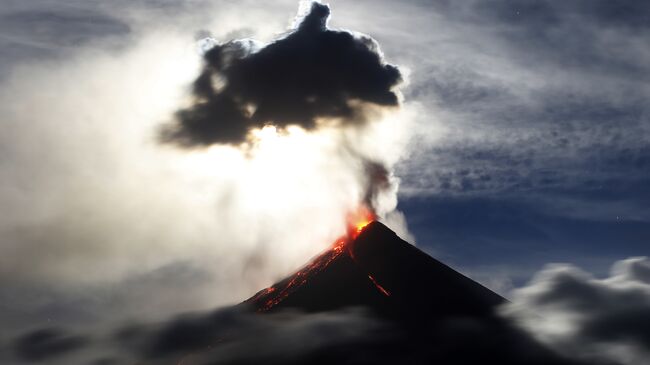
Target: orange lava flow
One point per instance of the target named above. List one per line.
(269, 298)
(379, 287)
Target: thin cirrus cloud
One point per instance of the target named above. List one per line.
(540, 98)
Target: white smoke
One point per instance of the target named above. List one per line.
(91, 201)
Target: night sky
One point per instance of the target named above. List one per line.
(524, 140)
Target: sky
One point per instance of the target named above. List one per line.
(521, 140)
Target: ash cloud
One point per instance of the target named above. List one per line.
(379, 180)
(312, 77)
(311, 74)
(594, 319)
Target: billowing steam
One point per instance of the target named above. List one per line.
(312, 78)
(107, 223)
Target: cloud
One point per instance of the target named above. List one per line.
(313, 73)
(221, 336)
(237, 335)
(586, 317)
(518, 90)
(311, 77)
(46, 344)
(107, 224)
(60, 28)
(347, 336)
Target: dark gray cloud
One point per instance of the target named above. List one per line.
(222, 336)
(311, 73)
(46, 344)
(580, 315)
(235, 335)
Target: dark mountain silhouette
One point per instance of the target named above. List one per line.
(379, 270)
(436, 315)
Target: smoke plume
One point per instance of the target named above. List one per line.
(311, 75)
(107, 224)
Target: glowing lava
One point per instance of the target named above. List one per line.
(270, 297)
(379, 287)
(358, 220)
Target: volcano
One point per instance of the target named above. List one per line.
(435, 314)
(378, 270)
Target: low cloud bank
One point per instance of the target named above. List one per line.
(580, 315)
(223, 336)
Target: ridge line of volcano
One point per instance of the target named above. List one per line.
(316, 265)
